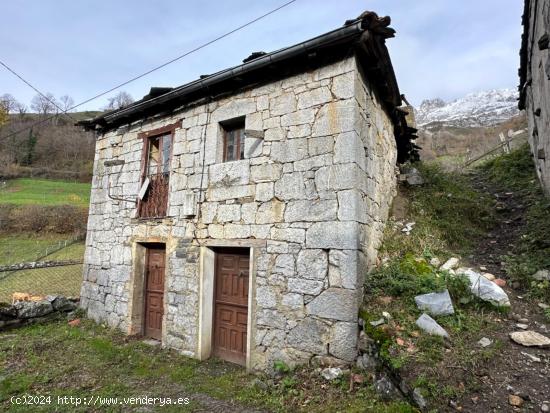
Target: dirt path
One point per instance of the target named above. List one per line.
(517, 370)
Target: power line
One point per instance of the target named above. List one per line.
(36, 89)
(202, 46)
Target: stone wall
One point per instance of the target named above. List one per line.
(316, 188)
(31, 312)
(537, 96)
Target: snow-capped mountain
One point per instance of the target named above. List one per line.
(486, 108)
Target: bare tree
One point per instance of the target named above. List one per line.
(120, 100)
(21, 108)
(66, 103)
(9, 103)
(44, 104)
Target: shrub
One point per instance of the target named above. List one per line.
(531, 253)
(62, 219)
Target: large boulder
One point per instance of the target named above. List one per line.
(484, 289)
(435, 303)
(31, 309)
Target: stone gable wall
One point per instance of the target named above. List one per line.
(317, 188)
(537, 100)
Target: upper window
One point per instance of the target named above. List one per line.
(233, 140)
(155, 175)
(158, 159)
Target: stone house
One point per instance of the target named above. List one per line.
(236, 215)
(534, 85)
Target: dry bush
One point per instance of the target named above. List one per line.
(5, 217)
(62, 219)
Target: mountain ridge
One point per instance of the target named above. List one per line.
(478, 109)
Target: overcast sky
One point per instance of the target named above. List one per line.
(443, 48)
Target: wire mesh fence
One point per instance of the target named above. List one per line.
(64, 280)
(14, 250)
(40, 266)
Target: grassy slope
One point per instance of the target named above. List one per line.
(89, 360)
(516, 171)
(22, 247)
(449, 216)
(26, 191)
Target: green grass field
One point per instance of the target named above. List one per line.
(27, 191)
(22, 247)
(89, 360)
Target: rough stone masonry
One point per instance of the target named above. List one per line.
(311, 196)
(535, 84)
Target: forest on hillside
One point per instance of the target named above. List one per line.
(43, 140)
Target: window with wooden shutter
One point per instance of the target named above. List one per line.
(155, 175)
(233, 140)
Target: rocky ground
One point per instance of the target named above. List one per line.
(518, 379)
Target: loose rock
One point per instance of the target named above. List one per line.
(414, 178)
(408, 228)
(419, 399)
(489, 276)
(367, 362)
(435, 262)
(522, 326)
(515, 401)
(450, 264)
(485, 342)
(385, 388)
(485, 289)
(435, 303)
(377, 323)
(430, 326)
(532, 357)
(530, 339)
(331, 373)
(500, 282)
(541, 275)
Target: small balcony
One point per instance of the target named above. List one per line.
(154, 203)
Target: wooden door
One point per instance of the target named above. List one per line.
(154, 292)
(231, 305)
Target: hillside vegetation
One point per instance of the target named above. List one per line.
(493, 216)
(455, 145)
(54, 149)
(531, 252)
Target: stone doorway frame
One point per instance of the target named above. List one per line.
(136, 301)
(207, 275)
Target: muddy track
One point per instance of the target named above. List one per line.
(515, 370)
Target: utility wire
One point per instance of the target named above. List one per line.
(53, 102)
(202, 46)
